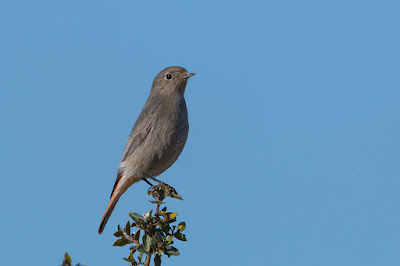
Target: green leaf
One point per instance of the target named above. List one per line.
(176, 196)
(172, 215)
(121, 242)
(169, 239)
(136, 217)
(128, 228)
(153, 240)
(67, 258)
(118, 233)
(157, 260)
(166, 228)
(159, 234)
(140, 256)
(182, 226)
(171, 251)
(147, 242)
(180, 236)
(137, 235)
(126, 259)
(142, 250)
(157, 201)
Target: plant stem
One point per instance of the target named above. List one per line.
(157, 209)
(147, 262)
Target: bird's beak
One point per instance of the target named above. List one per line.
(188, 75)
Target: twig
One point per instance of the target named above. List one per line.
(147, 262)
(157, 209)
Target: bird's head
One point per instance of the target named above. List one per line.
(171, 80)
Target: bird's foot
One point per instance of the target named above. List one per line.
(162, 190)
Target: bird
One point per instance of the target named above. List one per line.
(157, 137)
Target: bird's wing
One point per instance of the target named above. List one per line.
(140, 131)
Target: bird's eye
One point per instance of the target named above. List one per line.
(168, 76)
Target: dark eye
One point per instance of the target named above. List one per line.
(168, 76)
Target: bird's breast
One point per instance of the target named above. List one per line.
(167, 138)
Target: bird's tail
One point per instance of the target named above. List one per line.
(113, 201)
(121, 185)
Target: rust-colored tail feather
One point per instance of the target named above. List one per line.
(113, 201)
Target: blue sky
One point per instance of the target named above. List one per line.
(293, 152)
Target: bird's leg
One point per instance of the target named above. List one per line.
(147, 181)
(146, 176)
(158, 181)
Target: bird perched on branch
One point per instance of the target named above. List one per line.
(158, 136)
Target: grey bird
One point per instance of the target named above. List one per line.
(158, 136)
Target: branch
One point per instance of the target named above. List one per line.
(147, 262)
(158, 233)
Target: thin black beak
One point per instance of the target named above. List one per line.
(188, 75)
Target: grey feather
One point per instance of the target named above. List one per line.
(158, 135)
